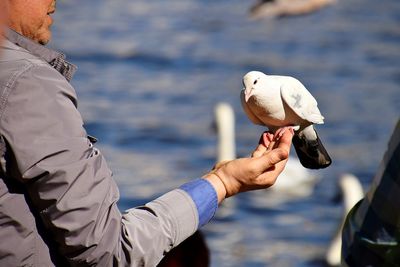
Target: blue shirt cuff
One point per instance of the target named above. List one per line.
(205, 198)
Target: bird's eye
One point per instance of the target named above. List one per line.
(255, 82)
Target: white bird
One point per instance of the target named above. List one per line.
(280, 101)
(225, 122)
(352, 192)
(280, 8)
(294, 181)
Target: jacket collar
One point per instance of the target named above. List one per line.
(55, 59)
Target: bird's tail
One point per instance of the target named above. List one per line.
(311, 153)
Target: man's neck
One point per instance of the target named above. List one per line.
(54, 58)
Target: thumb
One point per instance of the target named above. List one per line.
(273, 157)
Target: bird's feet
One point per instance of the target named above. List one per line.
(270, 139)
(279, 133)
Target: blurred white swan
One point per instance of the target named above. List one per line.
(352, 192)
(294, 181)
(225, 122)
(279, 8)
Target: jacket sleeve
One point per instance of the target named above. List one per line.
(70, 184)
(371, 234)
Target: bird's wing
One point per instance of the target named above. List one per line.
(299, 99)
(247, 110)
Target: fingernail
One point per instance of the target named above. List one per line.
(282, 132)
(267, 137)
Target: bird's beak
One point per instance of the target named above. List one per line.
(247, 93)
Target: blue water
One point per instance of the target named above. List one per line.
(150, 73)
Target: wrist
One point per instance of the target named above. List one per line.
(218, 185)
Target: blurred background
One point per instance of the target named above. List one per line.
(151, 72)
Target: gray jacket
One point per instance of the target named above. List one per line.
(57, 196)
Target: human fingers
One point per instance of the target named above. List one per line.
(263, 143)
(262, 172)
(273, 157)
(275, 160)
(267, 160)
(285, 140)
(275, 151)
(269, 177)
(259, 151)
(278, 135)
(266, 138)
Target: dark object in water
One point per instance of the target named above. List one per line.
(193, 252)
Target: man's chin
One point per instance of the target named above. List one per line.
(43, 38)
(44, 42)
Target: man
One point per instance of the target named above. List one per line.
(57, 197)
(3, 10)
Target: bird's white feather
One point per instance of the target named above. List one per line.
(278, 101)
(248, 111)
(299, 99)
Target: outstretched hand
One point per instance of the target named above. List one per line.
(257, 172)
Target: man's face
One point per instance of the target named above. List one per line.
(31, 18)
(3, 14)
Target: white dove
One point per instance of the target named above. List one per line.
(280, 101)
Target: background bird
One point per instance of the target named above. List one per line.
(224, 117)
(281, 8)
(280, 101)
(352, 191)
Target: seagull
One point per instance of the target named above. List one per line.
(281, 101)
(281, 8)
